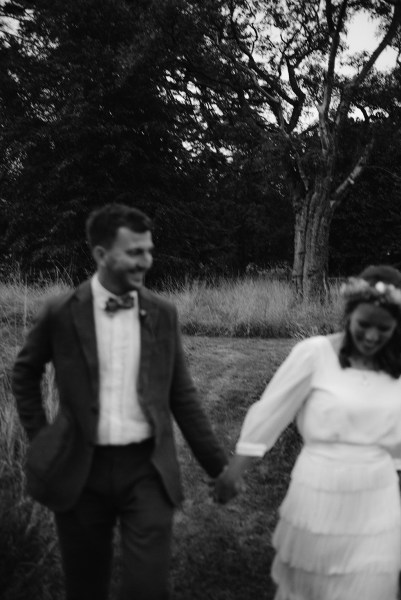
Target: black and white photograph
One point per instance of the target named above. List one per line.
(200, 300)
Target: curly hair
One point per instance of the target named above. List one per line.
(388, 359)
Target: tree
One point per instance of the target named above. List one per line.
(210, 113)
(95, 123)
(280, 63)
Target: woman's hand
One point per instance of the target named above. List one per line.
(229, 483)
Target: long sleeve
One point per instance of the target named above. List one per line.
(27, 375)
(190, 416)
(280, 402)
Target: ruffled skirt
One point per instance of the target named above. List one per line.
(339, 533)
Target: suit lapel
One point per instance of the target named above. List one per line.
(84, 322)
(148, 315)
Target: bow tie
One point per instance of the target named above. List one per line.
(120, 302)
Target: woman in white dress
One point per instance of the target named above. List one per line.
(339, 532)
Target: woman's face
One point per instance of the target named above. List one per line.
(371, 327)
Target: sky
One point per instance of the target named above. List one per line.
(362, 37)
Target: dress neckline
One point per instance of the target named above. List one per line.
(334, 353)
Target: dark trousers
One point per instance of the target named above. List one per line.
(123, 486)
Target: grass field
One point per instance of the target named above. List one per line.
(221, 553)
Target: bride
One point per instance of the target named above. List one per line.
(339, 532)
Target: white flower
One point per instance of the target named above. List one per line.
(360, 289)
(381, 287)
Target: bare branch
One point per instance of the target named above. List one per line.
(329, 16)
(363, 111)
(323, 109)
(273, 101)
(328, 88)
(302, 172)
(296, 113)
(392, 30)
(253, 66)
(255, 38)
(293, 80)
(354, 174)
(325, 138)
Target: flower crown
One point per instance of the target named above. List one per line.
(380, 293)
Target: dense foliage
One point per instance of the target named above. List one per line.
(104, 100)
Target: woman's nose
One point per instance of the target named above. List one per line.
(372, 334)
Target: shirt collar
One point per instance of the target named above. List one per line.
(101, 295)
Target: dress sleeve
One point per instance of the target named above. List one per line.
(283, 397)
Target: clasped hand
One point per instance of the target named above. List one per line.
(229, 483)
(227, 486)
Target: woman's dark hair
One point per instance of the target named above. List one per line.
(103, 223)
(389, 358)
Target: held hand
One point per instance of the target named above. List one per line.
(230, 482)
(226, 486)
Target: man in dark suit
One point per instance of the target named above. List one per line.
(109, 456)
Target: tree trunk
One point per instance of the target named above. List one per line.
(311, 246)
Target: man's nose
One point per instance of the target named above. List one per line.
(146, 260)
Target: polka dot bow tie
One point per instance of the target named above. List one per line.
(121, 302)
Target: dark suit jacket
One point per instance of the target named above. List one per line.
(60, 454)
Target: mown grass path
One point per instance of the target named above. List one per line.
(224, 552)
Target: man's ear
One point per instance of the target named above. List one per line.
(98, 254)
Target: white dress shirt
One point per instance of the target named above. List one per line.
(121, 418)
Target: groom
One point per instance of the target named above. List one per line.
(109, 456)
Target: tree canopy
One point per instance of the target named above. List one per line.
(300, 86)
(240, 126)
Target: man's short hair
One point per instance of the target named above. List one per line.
(103, 223)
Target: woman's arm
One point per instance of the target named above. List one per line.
(269, 416)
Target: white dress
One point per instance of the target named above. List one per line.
(339, 532)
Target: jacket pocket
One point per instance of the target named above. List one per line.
(51, 446)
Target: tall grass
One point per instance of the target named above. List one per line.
(29, 560)
(252, 307)
(242, 307)
(28, 551)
